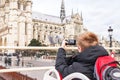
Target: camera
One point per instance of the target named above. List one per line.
(71, 42)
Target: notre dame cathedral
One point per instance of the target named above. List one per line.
(19, 25)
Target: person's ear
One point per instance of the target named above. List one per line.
(79, 48)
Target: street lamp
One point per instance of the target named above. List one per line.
(110, 30)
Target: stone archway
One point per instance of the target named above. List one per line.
(0, 41)
(5, 42)
(0, 44)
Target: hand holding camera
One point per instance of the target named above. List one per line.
(63, 45)
(71, 42)
(68, 42)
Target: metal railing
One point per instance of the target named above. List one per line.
(48, 48)
(38, 48)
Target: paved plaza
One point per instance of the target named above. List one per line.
(38, 74)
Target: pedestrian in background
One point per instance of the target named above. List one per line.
(6, 60)
(18, 59)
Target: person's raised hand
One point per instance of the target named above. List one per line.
(63, 45)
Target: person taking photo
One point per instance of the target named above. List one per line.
(88, 51)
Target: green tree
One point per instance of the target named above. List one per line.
(35, 42)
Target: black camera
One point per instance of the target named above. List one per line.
(71, 42)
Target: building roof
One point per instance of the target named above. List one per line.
(45, 17)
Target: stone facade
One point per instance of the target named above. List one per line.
(19, 25)
(51, 33)
(15, 22)
(51, 30)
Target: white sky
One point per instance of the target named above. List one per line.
(98, 15)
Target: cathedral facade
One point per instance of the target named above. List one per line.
(52, 33)
(19, 25)
(51, 30)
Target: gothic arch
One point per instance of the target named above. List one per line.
(0, 41)
(7, 1)
(5, 42)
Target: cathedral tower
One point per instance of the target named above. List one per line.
(62, 12)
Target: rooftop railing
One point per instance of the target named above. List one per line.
(22, 69)
(48, 48)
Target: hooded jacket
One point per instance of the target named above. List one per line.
(83, 62)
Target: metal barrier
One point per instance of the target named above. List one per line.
(49, 48)
(33, 48)
(38, 48)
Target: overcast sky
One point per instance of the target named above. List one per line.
(98, 15)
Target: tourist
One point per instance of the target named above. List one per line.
(88, 51)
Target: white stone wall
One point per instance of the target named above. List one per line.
(14, 19)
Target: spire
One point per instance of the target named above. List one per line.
(81, 16)
(72, 12)
(62, 12)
